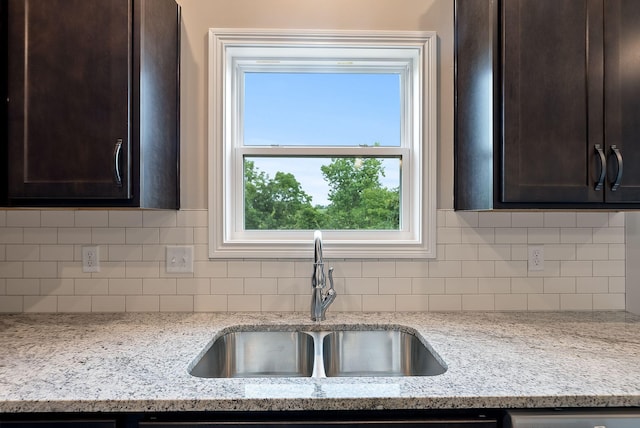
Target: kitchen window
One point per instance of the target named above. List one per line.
(322, 130)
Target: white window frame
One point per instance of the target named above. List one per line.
(233, 51)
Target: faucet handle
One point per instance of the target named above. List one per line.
(331, 289)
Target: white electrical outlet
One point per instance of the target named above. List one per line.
(536, 258)
(90, 258)
(179, 259)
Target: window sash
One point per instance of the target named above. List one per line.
(412, 55)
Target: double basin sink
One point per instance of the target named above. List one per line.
(331, 353)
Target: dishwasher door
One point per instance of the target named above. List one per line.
(594, 418)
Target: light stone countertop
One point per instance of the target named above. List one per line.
(140, 362)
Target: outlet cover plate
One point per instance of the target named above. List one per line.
(536, 258)
(90, 258)
(179, 259)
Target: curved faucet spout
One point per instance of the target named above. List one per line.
(320, 300)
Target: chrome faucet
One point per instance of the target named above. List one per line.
(320, 300)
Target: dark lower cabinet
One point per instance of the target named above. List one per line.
(73, 423)
(328, 419)
(93, 103)
(547, 101)
(265, 419)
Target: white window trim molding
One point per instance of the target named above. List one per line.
(416, 241)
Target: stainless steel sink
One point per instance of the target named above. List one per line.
(331, 353)
(258, 354)
(378, 353)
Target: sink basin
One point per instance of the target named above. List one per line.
(258, 354)
(331, 353)
(377, 353)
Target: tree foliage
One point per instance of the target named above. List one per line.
(357, 199)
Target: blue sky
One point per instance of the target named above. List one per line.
(321, 109)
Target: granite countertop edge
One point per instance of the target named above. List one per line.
(140, 362)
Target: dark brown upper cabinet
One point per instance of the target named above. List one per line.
(547, 103)
(93, 103)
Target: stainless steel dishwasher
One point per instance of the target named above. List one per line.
(593, 418)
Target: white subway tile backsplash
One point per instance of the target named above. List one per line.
(11, 235)
(484, 302)
(526, 219)
(244, 303)
(91, 218)
(543, 302)
(227, 286)
(494, 285)
(210, 303)
(74, 304)
(427, 285)
(560, 219)
(560, 285)
(25, 287)
(153, 219)
(91, 286)
(142, 303)
(23, 252)
(74, 235)
(507, 235)
(57, 252)
(510, 302)
(379, 269)
(260, 286)
(548, 235)
(592, 285)
(361, 286)
(122, 253)
(176, 304)
(374, 303)
(576, 268)
(478, 269)
(412, 303)
(494, 219)
(57, 219)
(244, 269)
(461, 286)
(278, 303)
(443, 303)
(186, 286)
(595, 219)
(40, 269)
(23, 218)
(393, 286)
(481, 266)
(176, 235)
(278, 269)
(10, 269)
(159, 286)
(107, 303)
(11, 304)
(125, 218)
(125, 287)
(576, 302)
(40, 304)
(609, 302)
(58, 286)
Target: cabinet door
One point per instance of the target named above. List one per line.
(551, 101)
(69, 68)
(622, 98)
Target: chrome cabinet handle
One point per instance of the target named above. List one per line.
(616, 183)
(117, 152)
(603, 167)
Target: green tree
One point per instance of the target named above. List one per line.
(358, 200)
(278, 203)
